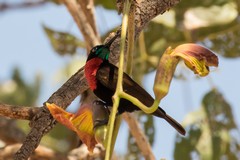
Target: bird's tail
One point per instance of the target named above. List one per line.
(161, 113)
(175, 124)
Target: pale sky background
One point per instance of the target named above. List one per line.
(23, 43)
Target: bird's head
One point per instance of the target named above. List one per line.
(101, 51)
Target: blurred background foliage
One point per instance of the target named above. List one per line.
(19, 92)
(211, 130)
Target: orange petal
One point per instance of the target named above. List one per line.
(61, 115)
(81, 122)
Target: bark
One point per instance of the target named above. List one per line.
(18, 112)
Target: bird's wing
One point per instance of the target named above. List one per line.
(107, 75)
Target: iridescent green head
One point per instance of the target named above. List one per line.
(101, 51)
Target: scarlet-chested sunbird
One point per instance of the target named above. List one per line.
(102, 78)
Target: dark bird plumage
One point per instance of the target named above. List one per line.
(102, 79)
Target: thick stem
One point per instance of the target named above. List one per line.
(138, 103)
(116, 98)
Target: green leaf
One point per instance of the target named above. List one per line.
(62, 42)
(18, 91)
(149, 130)
(168, 19)
(221, 122)
(230, 34)
(206, 16)
(107, 4)
(215, 125)
(58, 2)
(159, 36)
(203, 3)
(219, 112)
(185, 146)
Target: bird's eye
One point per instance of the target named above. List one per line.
(94, 49)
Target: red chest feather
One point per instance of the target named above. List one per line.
(91, 68)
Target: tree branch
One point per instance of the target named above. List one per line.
(30, 4)
(18, 112)
(88, 9)
(89, 32)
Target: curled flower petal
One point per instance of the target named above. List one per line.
(81, 122)
(196, 57)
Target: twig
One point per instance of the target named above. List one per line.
(82, 23)
(139, 136)
(28, 4)
(18, 112)
(88, 9)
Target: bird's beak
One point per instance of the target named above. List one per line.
(108, 44)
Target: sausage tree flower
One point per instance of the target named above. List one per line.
(196, 57)
(90, 122)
